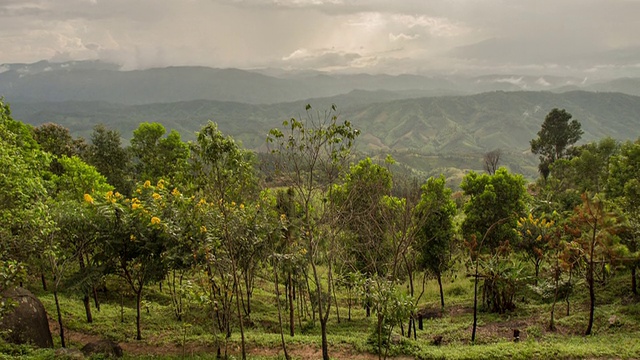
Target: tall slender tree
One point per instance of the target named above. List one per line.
(312, 153)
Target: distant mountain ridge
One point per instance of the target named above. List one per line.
(431, 123)
(419, 131)
(97, 81)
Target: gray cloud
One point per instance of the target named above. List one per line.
(525, 36)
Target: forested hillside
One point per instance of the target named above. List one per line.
(449, 133)
(205, 248)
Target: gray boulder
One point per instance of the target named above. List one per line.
(26, 322)
(106, 348)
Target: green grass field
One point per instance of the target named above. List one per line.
(616, 329)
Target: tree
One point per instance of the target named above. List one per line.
(225, 177)
(593, 228)
(436, 229)
(134, 237)
(555, 139)
(74, 235)
(157, 157)
(390, 306)
(624, 188)
(588, 169)
(24, 215)
(56, 140)
(493, 198)
(312, 153)
(534, 239)
(491, 161)
(358, 201)
(111, 159)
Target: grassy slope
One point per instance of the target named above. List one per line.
(164, 337)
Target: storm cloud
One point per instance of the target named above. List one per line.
(571, 37)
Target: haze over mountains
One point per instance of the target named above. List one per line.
(429, 123)
(99, 81)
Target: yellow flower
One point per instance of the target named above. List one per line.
(147, 184)
(156, 196)
(283, 217)
(203, 229)
(155, 220)
(241, 206)
(160, 184)
(109, 194)
(135, 206)
(175, 192)
(132, 237)
(88, 198)
(118, 195)
(233, 203)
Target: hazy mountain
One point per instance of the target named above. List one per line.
(97, 81)
(433, 134)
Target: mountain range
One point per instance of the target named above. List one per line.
(431, 124)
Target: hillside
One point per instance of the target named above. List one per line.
(431, 134)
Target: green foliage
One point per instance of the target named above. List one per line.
(24, 217)
(359, 203)
(110, 158)
(157, 157)
(494, 200)
(436, 210)
(555, 139)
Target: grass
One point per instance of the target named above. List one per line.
(616, 328)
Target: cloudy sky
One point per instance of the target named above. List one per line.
(595, 37)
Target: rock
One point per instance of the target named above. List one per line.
(107, 348)
(437, 340)
(26, 322)
(69, 354)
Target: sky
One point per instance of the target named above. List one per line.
(558, 37)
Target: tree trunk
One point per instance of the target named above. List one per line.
(439, 277)
(592, 298)
(138, 304)
(55, 296)
(591, 283)
(95, 298)
(85, 299)
(240, 310)
(248, 289)
(556, 278)
(321, 314)
(634, 287)
(475, 305)
(292, 323)
(87, 307)
(44, 281)
(121, 307)
(284, 344)
(335, 299)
